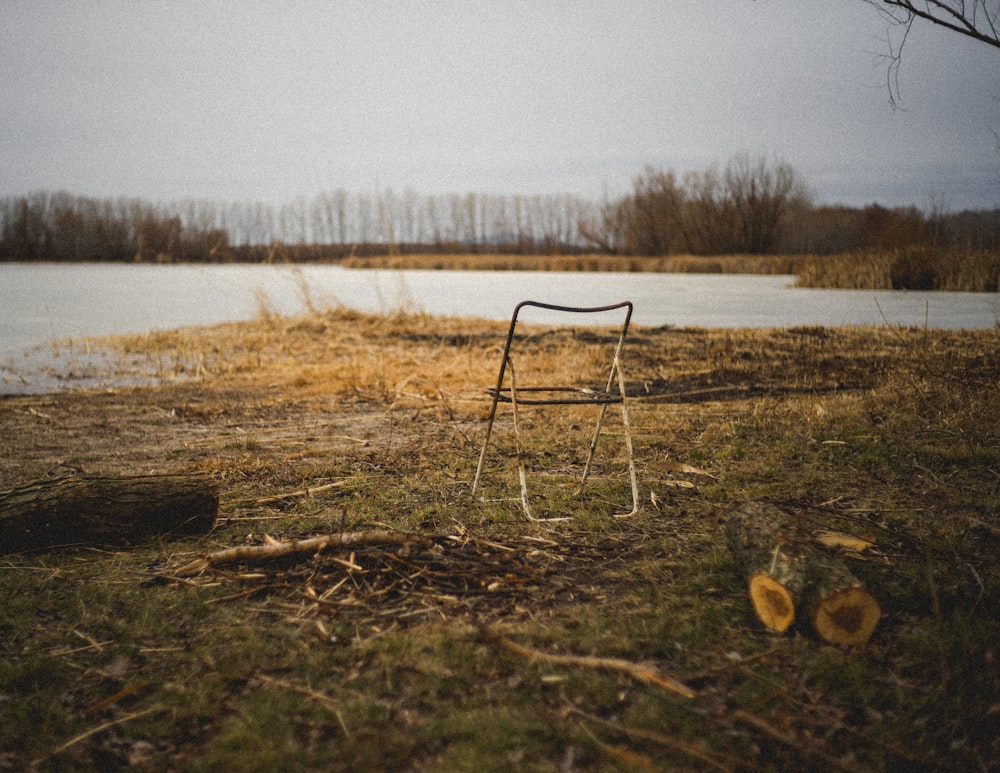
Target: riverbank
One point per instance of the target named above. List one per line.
(340, 421)
(43, 304)
(681, 264)
(906, 268)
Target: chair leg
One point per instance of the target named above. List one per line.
(633, 479)
(593, 444)
(521, 469)
(482, 453)
(486, 440)
(518, 445)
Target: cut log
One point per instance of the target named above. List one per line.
(773, 600)
(841, 610)
(94, 510)
(786, 572)
(772, 561)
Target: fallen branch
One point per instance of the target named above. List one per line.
(786, 738)
(306, 492)
(311, 545)
(645, 674)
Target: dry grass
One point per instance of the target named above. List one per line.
(374, 659)
(721, 264)
(905, 269)
(915, 268)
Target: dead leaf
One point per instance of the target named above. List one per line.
(842, 541)
(683, 467)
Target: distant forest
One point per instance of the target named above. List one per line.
(751, 206)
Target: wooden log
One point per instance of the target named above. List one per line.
(787, 572)
(83, 509)
(840, 609)
(773, 592)
(771, 560)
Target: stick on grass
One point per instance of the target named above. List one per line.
(98, 729)
(312, 545)
(641, 673)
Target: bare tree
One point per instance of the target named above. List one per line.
(657, 224)
(975, 19)
(979, 19)
(760, 193)
(605, 227)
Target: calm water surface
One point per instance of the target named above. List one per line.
(43, 302)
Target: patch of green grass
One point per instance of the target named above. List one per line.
(269, 729)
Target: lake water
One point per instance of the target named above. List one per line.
(44, 302)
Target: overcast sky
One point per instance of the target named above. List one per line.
(268, 101)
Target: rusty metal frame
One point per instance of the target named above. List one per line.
(561, 395)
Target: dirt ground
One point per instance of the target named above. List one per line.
(339, 421)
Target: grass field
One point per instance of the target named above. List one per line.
(448, 655)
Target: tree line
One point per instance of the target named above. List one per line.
(64, 227)
(754, 206)
(758, 206)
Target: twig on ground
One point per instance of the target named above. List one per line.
(305, 492)
(312, 545)
(712, 759)
(98, 729)
(630, 759)
(789, 740)
(989, 528)
(125, 692)
(645, 674)
(325, 700)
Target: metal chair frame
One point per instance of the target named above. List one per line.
(612, 394)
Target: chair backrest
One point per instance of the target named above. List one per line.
(499, 389)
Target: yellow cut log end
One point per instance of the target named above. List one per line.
(847, 616)
(772, 602)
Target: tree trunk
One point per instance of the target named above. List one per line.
(94, 510)
(786, 573)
